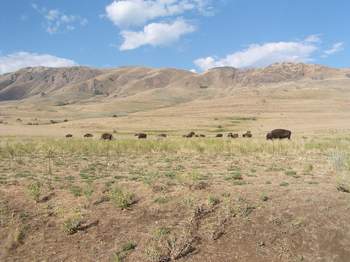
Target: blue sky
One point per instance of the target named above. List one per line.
(188, 34)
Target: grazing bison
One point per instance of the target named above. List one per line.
(88, 135)
(219, 135)
(189, 135)
(247, 134)
(231, 135)
(201, 135)
(163, 135)
(106, 136)
(69, 135)
(278, 134)
(141, 135)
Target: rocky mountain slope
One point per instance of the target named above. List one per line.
(76, 84)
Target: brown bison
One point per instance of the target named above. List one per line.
(247, 134)
(219, 135)
(163, 135)
(106, 136)
(201, 135)
(189, 135)
(69, 135)
(88, 135)
(231, 135)
(278, 134)
(141, 135)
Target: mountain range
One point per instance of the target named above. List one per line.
(63, 86)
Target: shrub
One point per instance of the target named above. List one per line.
(161, 200)
(264, 197)
(291, 173)
(284, 184)
(98, 92)
(338, 160)
(88, 191)
(34, 190)
(71, 225)
(121, 199)
(161, 232)
(126, 248)
(212, 200)
(76, 191)
(234, 176)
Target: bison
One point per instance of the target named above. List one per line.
(219, 135)
(163, 135)
(69, 135)
(189, 135)
(247, 134)
(201, 135)
(141, 135)
(231, 135)
(278, 134)
(106, 136)
(88, 135)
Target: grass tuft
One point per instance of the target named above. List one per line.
(121, 198)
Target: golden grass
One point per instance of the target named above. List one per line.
(50, 147)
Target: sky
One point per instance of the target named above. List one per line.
(189, 34)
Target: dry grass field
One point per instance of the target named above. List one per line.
(202, 199)
(175, 199)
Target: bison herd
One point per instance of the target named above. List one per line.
(274, 134)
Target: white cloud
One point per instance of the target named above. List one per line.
(259, 55)
(56, 21)
(313, 39)
(18, 60)
(129, 13)
(337, 47)
(154, 22)
(156, 34)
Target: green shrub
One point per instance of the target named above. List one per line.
(121, 199)
(76, 191)
(212, 200)
(34, 190)
(284, 184)
(126, 248)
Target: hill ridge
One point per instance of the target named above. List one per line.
(79, 83)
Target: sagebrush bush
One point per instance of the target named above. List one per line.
(35, 190)
(120, 198)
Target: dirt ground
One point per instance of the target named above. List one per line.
(175, 199)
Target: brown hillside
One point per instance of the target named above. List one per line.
(71, 85)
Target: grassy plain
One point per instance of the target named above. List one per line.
(201, 199)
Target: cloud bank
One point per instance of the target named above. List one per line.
(128, 13)
(260, 55)
(153, 22)
(15, 61)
